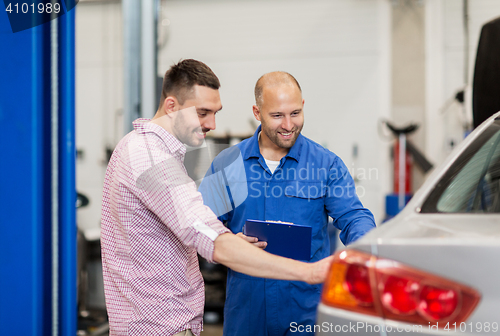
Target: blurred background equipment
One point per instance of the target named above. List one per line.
(92, 316)
(404, 155)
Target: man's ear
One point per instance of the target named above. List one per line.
(169, 105)
(256, 112)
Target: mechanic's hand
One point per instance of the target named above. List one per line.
(253, 240)
(320, 270)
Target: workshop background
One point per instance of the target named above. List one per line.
(359, 63)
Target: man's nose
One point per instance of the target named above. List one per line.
(209, 122)
(287, 123)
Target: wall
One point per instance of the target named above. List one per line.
(99, 101)
(337, 50)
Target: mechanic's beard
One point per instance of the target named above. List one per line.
(274, 137)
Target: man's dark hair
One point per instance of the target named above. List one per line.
(181, 77)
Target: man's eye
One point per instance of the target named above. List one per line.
(201, 114)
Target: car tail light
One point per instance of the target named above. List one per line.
(357, 280)
(349, 283)
(363, 283)
(398, 295)
(438, 303)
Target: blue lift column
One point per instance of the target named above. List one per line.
(67, 177)
(37, 179)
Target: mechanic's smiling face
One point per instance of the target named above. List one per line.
(281, 115)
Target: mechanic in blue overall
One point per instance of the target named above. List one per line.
(280, 175)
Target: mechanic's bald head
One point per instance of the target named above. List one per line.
(271, 80)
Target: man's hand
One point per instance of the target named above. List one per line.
(319, 270)
(253, 240)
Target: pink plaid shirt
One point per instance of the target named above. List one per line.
(153, 224)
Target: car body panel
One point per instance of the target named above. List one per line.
(350, 323)
(464, 248)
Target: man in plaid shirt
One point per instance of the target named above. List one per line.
(154, 222)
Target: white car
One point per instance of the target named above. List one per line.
(434, 269)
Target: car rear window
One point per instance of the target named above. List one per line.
(472, 184)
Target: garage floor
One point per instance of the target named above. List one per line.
(212, 330)
(96, 325)
(209, 330)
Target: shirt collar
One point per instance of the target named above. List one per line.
(143, 126)
(253, 149)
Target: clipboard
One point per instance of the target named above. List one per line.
(284, 239)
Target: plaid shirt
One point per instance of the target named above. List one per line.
(153, 224)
